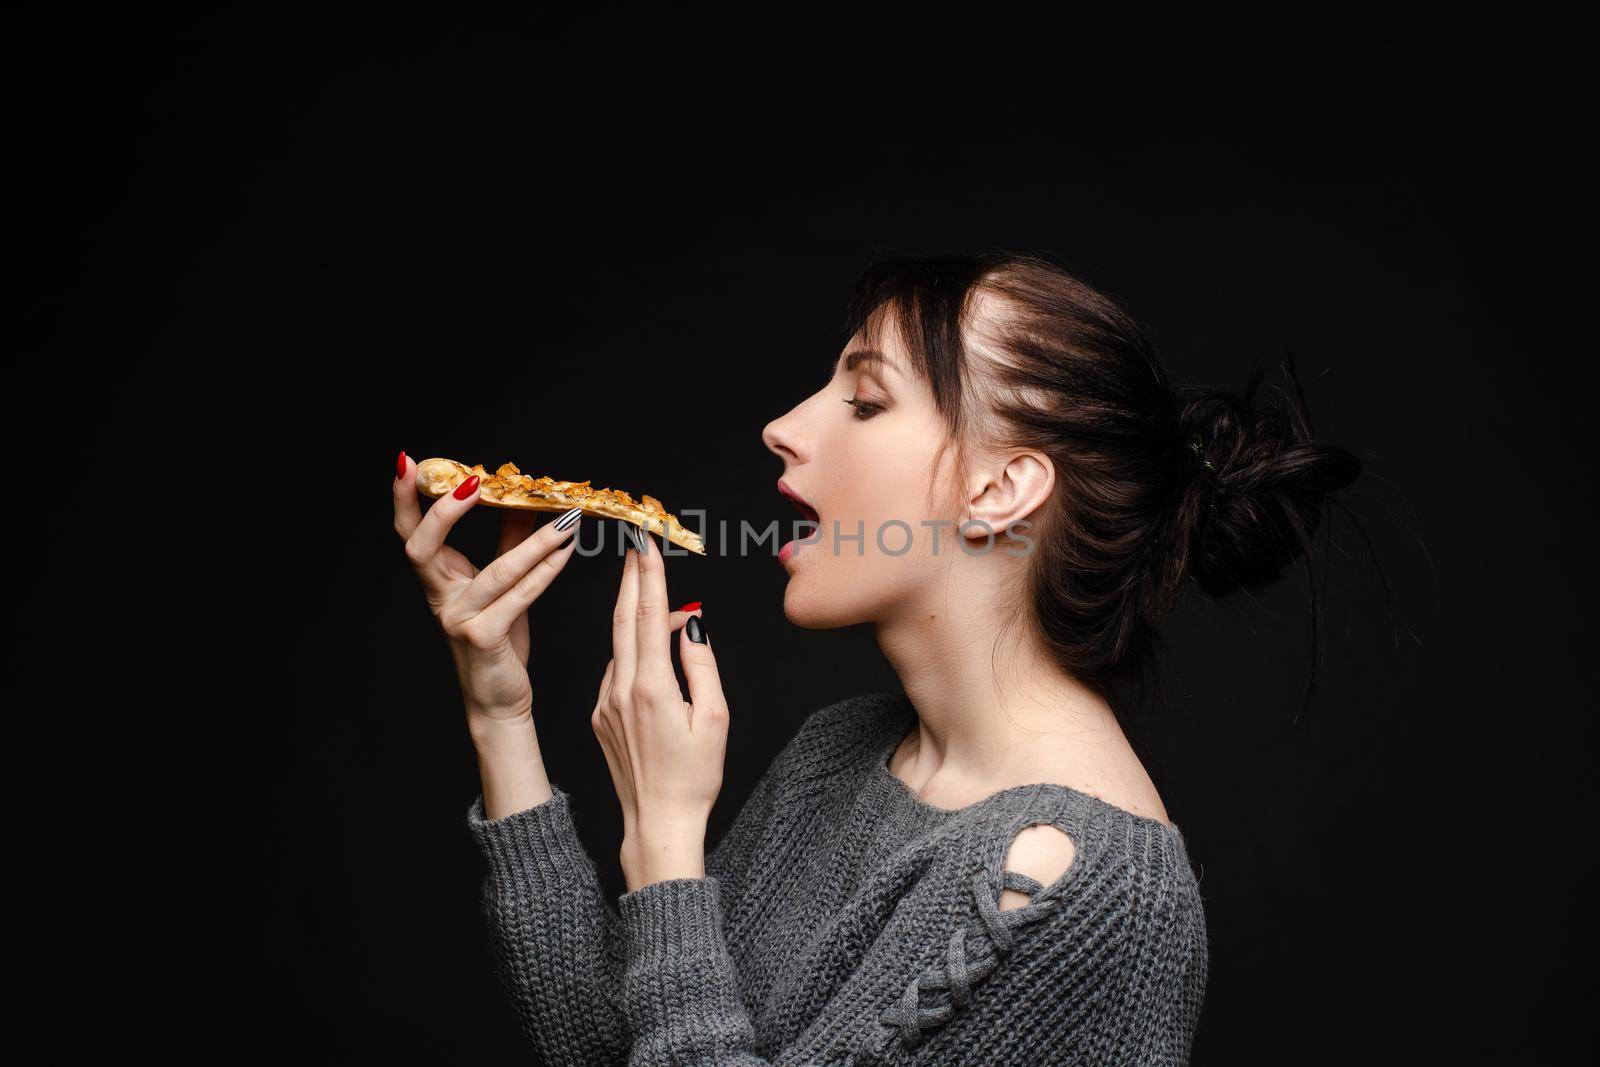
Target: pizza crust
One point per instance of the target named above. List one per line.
(508, 487)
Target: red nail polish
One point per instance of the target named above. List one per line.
(691, 606)
(400, 465)
(466, 488)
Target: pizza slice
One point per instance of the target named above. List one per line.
(508, 487)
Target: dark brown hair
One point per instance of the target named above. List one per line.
(1157, 491)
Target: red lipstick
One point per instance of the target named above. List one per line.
(789, 548)
(799, 501)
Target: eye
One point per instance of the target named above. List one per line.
(865, 409)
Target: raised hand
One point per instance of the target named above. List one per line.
(484, 614)
(665, 753)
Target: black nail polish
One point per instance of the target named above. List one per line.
(568, 519)
(633, 537)
(697, 629)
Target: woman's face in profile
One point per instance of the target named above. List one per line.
(868, 469)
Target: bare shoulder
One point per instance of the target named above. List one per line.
(1135, 794)
(1140, 797)
(1122, 783)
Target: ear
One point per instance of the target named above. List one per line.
(1009, 493)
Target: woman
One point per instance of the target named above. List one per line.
(976, 870)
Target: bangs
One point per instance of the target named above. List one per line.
(926, 297)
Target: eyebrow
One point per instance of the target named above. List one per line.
(866, 355)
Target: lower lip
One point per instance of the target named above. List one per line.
(787, 551)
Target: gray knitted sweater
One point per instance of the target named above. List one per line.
(842, 922)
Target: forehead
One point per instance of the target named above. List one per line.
(877, 344)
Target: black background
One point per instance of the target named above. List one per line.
(262, 255)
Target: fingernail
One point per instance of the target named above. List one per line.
(697, 629)
(400, 466)
(466, 488)
(693, 605)
(569, 519)
(634, 538)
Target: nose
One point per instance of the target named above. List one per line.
(781, 435)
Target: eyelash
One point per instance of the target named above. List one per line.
(863, 405)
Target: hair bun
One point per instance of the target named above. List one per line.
(1256, 486)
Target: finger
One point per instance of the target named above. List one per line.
(422, 547)
(700, 670)
(603, 735)
(516, 600)
(623, 627)
(512, 569)
(407, 512)
(653, 648)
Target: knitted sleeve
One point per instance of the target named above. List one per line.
(557, 941)
(1024, 985)
(679, 989)
(554, 937)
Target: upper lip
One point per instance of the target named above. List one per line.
(799, 501)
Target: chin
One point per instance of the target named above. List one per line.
(814, 612)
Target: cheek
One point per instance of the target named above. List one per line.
(878, 487)
(884, 478)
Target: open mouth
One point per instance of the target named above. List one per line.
(799, 502)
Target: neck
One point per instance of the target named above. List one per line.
(992, 705)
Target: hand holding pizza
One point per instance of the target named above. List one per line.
(665, 752)
(484, 614)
